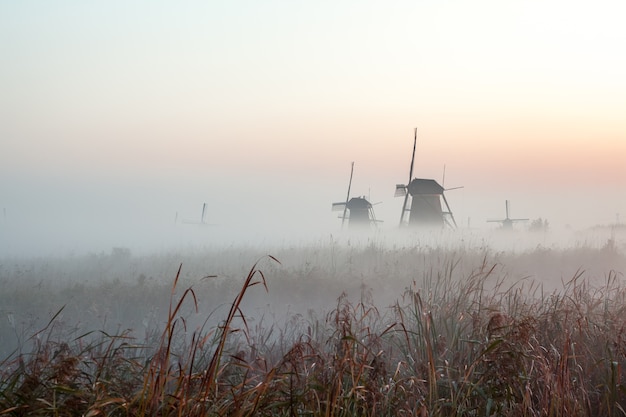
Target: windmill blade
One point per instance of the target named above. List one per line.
(372, 216)
(406, 195)
(454, 188)
(406, 199)
(203, 217)
(506, 203)
(449, 211)
(413, 156)
(339, 206)
(345, 208)
(401, 190)
(373, 220)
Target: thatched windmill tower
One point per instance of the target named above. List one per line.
(427, 195)
(426, 204)
(357, 210)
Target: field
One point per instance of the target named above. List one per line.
(338, 327)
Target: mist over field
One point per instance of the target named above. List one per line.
(61, 218)
(214, 135)
(117, 289)
(181, 173)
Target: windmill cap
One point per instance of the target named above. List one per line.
(358, 203)
(425, 186)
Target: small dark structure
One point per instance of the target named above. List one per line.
(507, 222)
(203, 217)
(357, 210)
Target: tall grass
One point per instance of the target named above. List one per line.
(455, 343)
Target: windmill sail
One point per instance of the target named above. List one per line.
(449, 211)
(345, 208)
(406, 194)
(400, 190)
(203, 217)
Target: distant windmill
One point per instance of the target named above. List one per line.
(357, 210)
(202, 217)
(507, 222)
(426, 197)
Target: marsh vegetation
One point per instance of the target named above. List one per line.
(327, 329)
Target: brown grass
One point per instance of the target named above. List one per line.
(477, 346)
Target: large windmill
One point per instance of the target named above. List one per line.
(357, 210)
(426, 195)
(507, 222)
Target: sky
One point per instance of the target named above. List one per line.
(120, 119)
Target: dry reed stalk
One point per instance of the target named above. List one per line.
(209, 380)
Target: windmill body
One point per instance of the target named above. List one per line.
(427, 204)
(426, 208)
(358, 211)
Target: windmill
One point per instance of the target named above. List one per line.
(507, 222)
(357, 210)
(202, 217)
(426, 195)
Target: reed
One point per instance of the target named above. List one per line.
(455, 343)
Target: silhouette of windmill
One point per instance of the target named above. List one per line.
(357, 210)
(202, 220)
(426, 195)
(507, 222)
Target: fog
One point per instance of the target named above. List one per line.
(65, 217)
(122, 122)
(119, 122)
(118, 290)
(62, 211)
(59, 221)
